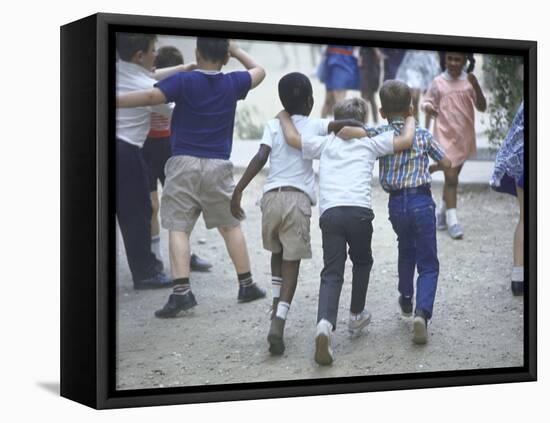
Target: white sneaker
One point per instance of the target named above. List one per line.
(441, 219)
(323, 349)
(420, 329)
(356, 325)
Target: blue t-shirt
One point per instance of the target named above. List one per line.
(204, 115)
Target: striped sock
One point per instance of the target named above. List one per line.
(181, 286)
(276, 282)
(245, 279)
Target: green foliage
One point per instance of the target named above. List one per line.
(248, 123)
(504, 78)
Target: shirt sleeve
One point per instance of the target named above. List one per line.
(383, 144)
(312, 147)
(267, 137)
(171, 87)
(322, 128)
(435, 151)
(242, 82)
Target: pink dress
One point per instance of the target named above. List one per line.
(454, 100)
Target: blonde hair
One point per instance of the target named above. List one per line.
(353, 108)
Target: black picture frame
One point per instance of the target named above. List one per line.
(88, 223)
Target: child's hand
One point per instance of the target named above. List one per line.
(236, 210)
(282, 114)
(430, 110)
(434, 167)
(233, 48)
(350, 132)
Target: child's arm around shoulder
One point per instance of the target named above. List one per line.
(404, 140)
(257, 72)
(150, 97)
(291, 134)
(164, 73)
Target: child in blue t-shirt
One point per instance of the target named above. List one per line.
(199, 175)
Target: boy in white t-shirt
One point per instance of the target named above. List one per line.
(345, 176)
(289, 192)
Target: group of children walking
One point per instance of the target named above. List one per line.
(199, 179)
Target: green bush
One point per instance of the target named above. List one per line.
(504, 78)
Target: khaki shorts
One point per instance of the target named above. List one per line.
(194, 185)
(286, 217)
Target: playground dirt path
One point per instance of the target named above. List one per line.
(477, 323)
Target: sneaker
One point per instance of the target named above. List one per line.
(455, 231)
(159, 280)
(406, 305)
(517, 288)
(441, 220)
(356, 325)
(420, 329)
(176, 304)
(275, 336)
(198, 264)
(250, 293)
(323, 349)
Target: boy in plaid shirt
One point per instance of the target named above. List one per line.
(406, 177)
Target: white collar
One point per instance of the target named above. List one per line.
(448, 77)
(208, 72)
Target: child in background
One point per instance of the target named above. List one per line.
(156, 152)
(345, 176)
(289, 192)
(406, 177)
(199, 175)
(451, 100)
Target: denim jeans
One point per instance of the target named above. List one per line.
(342, 226)
(413, 219)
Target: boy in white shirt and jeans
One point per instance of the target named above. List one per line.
(345, 176)
(289, 192)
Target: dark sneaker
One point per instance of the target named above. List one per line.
(250, 293)
(176, 304)
(420, 328)
(323, 348)
(406, 305)
(159, 280)
(275, 336)
(517, 288)
(198, 264)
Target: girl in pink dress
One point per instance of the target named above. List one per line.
(451, 100)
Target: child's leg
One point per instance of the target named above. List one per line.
(276, 280)
(373, 107)
(155, 227)
(450, 201)
(359, 236)
(334, 259)
(290, 270)
(179, 254)
(415, 94)
(517, 270)
(236, 247)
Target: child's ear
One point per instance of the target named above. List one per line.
(381, 110)
(226, 59)
(137, 58)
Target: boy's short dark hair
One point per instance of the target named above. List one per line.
(168, 56)
(395, 96)
(353, 108)
(129, 44)
(294, 91)
(213, 49)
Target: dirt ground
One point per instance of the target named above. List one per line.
(476, 324)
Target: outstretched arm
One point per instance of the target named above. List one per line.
(163, 73)
(141, 98)
(256, 164)
(291, 134)
(257, 73)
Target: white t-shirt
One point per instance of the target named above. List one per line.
(287, 167)
(345, 167)
(133, 124)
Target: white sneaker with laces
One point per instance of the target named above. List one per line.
(355, 325)
(323, 349)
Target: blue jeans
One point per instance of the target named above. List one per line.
(413, 219)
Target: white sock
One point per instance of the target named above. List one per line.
(276, 282)
(325, 322)
(155, 247)
(517, 273)
(353, 316)
(451, 217)
(282, 310)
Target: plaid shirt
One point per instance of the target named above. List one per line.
(409, 168)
